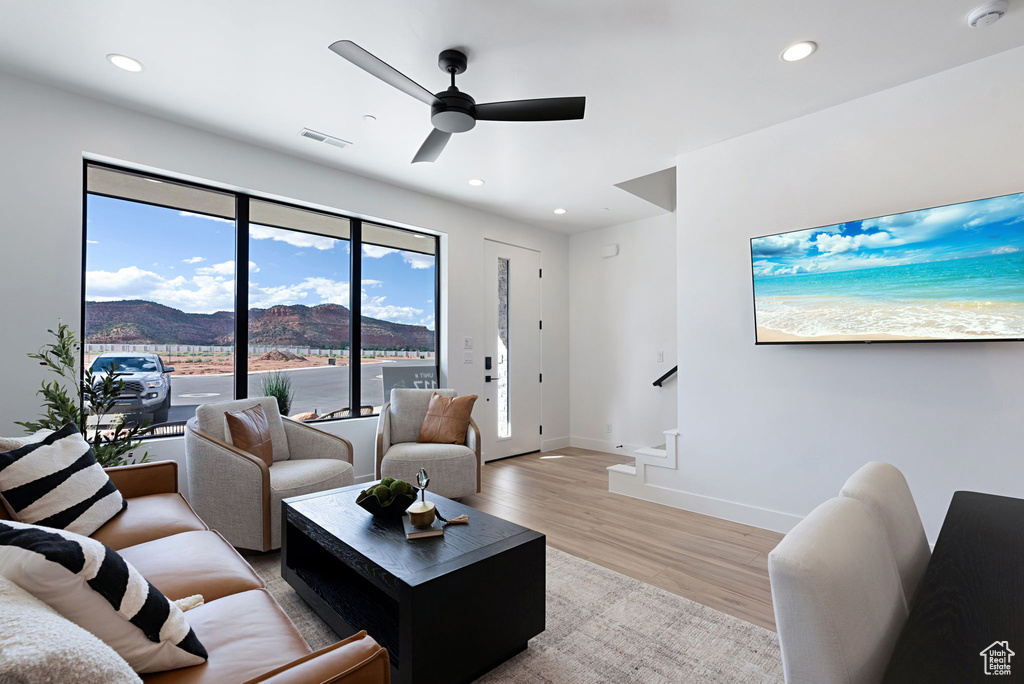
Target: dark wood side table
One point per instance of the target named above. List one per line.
(448, 609)
(971, 596)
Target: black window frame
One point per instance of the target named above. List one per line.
(241, 300)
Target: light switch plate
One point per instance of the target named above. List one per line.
(467, 342)
(467, 357)
(661, 357)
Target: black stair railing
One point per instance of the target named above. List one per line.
(666, 376)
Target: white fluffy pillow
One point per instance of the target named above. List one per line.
(91, 585)
(37, 645)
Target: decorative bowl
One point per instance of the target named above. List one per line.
(394, 509)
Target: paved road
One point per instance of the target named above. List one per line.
(324, 388)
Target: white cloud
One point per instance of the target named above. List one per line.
(928, 224)
(329, 291)
(202, 294)
(291, 237)
(123, 283)
(218, 219)
(376, 252)
(337, 292)
(266, 297)
(1005, 250)
(790, 244)
(374, 307)
(225, 269)
(830, 244)
(213, 290)
(193, 260)
(418, 261)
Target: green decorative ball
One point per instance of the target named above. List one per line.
(399, 487)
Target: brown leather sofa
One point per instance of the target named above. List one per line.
(246, 633)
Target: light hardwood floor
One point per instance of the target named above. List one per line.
(564, 494)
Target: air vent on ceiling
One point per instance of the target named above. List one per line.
(321, 137)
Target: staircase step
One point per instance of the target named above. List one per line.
(651, 451)
(622, 468)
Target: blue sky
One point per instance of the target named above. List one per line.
(957, 231)
(186, 261)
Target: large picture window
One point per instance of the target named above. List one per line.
(179, 277)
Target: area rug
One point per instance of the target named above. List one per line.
(603, 627)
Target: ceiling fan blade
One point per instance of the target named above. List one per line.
(375, 67)
(432, 146)
(548, 109)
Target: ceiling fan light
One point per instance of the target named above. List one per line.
(560, 211)
(476, 182)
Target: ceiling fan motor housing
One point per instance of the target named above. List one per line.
(455, 113)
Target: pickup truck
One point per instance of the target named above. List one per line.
(147, 382)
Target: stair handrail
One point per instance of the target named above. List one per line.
(666, 376)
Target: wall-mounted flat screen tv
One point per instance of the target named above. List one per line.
(951, 273)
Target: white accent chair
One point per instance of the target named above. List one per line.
(236, 493)
(454, 469)
(882, 487)
(839, 604)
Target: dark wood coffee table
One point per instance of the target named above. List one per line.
(448, 609)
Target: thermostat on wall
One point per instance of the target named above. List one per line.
(608, 251)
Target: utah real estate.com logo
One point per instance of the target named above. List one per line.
(997, 658)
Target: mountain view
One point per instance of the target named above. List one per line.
(322, 326)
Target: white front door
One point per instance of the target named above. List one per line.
(512, 344)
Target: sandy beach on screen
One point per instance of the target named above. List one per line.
(769, 335)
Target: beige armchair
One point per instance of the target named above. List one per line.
(838, 600)
(454, 469)
(236, 493)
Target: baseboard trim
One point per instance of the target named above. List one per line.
(359, 479)
(765, 518)
(608, 447)
(554, 444)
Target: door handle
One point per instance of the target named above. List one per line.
(487, 378)
(487, 363)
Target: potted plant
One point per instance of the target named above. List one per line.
(77, 393)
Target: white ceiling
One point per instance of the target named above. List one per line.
(661, 77)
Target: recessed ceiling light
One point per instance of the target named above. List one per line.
(124, 62)
(475, 181)
(798, 51)
(369, 117)
(559, 211)
(605, 209)
(421, 237)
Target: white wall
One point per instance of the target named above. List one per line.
(44, 133)
(779, 428)
(622, 313)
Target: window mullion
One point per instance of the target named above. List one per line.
(241, 296)
(355, 291)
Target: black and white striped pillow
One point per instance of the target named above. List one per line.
(57, 482)
(94, 587)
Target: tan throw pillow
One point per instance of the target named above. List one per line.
(447, 419)
(250, 432)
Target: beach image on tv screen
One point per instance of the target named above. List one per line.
(949, 273)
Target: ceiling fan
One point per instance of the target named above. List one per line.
(451, 110)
